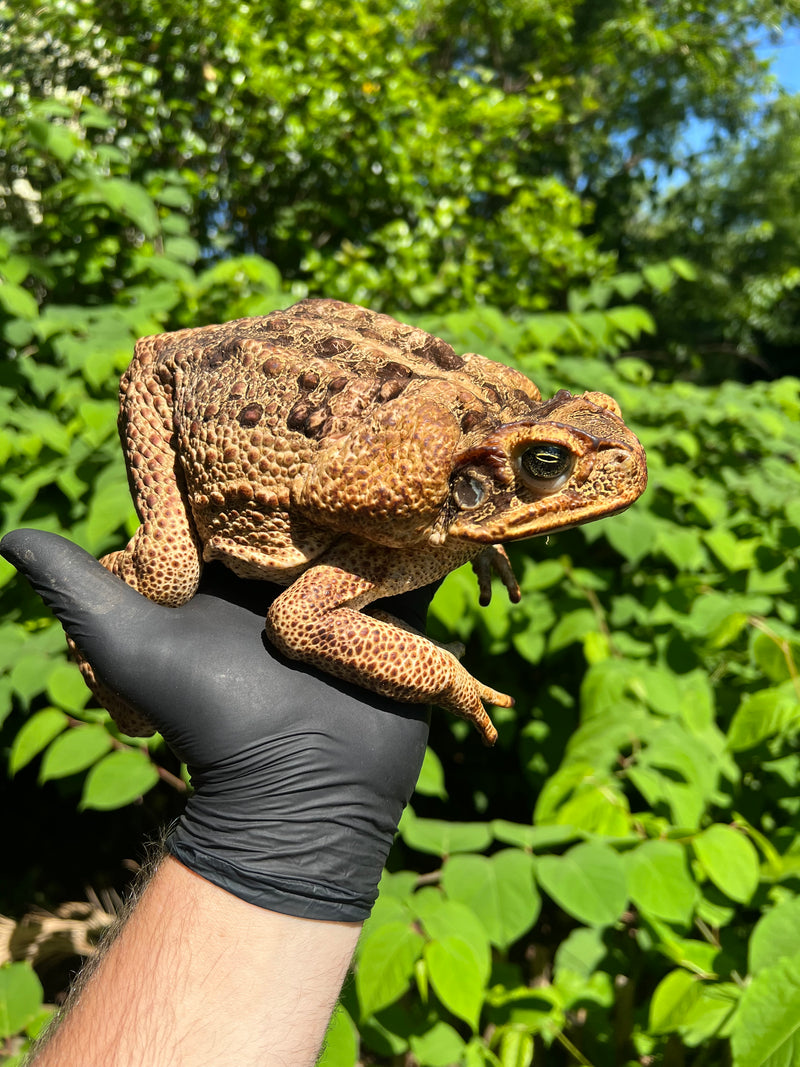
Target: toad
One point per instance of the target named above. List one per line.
(348, 457)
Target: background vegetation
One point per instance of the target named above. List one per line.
(617, 882)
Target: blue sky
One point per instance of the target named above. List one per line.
(785, 55)
(786, 65)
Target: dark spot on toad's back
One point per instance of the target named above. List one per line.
(272, 366)
(332, 346)
(250, 415)
(393, 370)
(391, 389)
(216, 356)
(275, 322)
(308, 380)
(296, 418)
(437, 351)
(318, 423)
(471, 419)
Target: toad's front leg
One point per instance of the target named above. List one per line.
(317, 620)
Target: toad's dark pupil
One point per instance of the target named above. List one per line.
(547, 461)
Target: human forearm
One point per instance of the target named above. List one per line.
(298, 788)
(199, 977)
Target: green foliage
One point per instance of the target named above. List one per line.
(636, 817)
(615, 883)
(341, 144)
(425, 158)
(60, 453)
(737, 221)
(22, 1011)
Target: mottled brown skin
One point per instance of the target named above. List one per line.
(349, 457)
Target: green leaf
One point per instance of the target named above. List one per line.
(15, 269)
(633, 535)
(771, 655)
(735, 553)
(386, 965)
(696, 1010)
(600, 809)
(18, 302)
(572, 627)
(441, 1046)
(443, 918)
(431, 778)
(767, 1027)
(184, 249)
(776, 936)
(730, 861)
(174, 196)
(117, 780)
(130, 199)
(20, 997)
(6, 701)
(683, 268)
(340, 1048)
(455, 976)
(30, 673)
(74, 751)
(762, 715)
(538, 1010)
(683, 547)
(547, 328)
(588, 882)
(634, 321)
(67, 689)
(36, 733)
(628, 284)
(500, 890)
(675, 996)
(12, 638)
(659, 881)
(581, 952)
(111, 507)
(659, 275)
(596, 324)
(535, 838)
(399, 885)
(516, 1049)
(443, 838)
(54, 138)
(386, 909)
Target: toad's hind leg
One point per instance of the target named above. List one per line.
(313, 621)
(162, 559)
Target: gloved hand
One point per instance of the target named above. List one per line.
(299, 780)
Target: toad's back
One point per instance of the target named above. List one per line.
(250, 406)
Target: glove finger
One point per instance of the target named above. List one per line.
(85, 597)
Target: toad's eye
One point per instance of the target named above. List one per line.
(546, 466)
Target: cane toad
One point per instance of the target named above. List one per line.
(348, 457)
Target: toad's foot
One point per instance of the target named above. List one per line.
(311, 621)
(494, 559)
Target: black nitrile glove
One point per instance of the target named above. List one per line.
(299, 779)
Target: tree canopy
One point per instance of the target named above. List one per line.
(430, 157)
